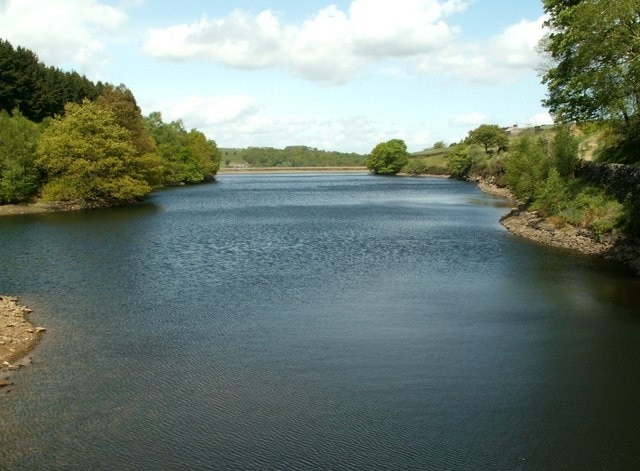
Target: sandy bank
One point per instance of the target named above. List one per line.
(17, 337)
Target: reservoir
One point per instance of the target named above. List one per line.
(316, 321)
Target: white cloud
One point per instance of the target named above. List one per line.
(402, 28)
(541, 119)
(330, 47)
(239, 121)
(203, 112)
(469, 119)
(504, 58)
(62, 31)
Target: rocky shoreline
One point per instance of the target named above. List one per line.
(17, 337)
(530, 225)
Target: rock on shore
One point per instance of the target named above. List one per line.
(17, 336)
(531, 225)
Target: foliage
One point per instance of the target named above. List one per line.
(593, 208)
(541, 173)
(565, 150)
(550, 194)
(594, 51)
(424, 166)
(388, 158)
(527, 166)
(121, 102)
(38, 91)
(19, 178)
(187, 156)
(460, 162)
(297, 156)
(88, 158)
(488, 135)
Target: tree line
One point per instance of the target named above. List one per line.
(96, 149)
(297, 156)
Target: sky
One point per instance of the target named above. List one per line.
(339, 75)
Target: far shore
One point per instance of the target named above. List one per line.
(232, 170)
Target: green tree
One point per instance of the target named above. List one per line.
(188, 157)
(121, 102)
(36, 90)
(89, 159)
(19, 178)
(388, 158)
(594, 66)
(551, 193)
(488, 135)
(206, 152)
(527, 166)
(565, 150)
(460, 162)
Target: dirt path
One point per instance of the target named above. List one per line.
(588, 147)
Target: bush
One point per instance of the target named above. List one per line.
(527, 167)
(592, 208)
(551, 194)
(422, 167)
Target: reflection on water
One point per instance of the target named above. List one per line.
(316, 321)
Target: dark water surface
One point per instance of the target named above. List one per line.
(316, 321)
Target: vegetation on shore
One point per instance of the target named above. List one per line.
(66, 139)
(593, 81)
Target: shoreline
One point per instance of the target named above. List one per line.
(531, 226)
(18, 336)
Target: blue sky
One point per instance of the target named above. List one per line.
(342, 75)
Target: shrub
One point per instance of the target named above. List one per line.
(593, 209)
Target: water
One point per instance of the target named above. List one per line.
(316, 321)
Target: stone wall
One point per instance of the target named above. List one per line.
(618, 179)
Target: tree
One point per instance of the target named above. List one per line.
(19, 178)
(459, 162)
(89, 159)
(594, 67)
(188, 157)
(488, 135)
(121, 102)
(388, 158)
(527, 166)
(564, 150)
(36, 90)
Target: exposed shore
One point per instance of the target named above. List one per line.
(17, 337)
(530, 225)
(24, 208)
